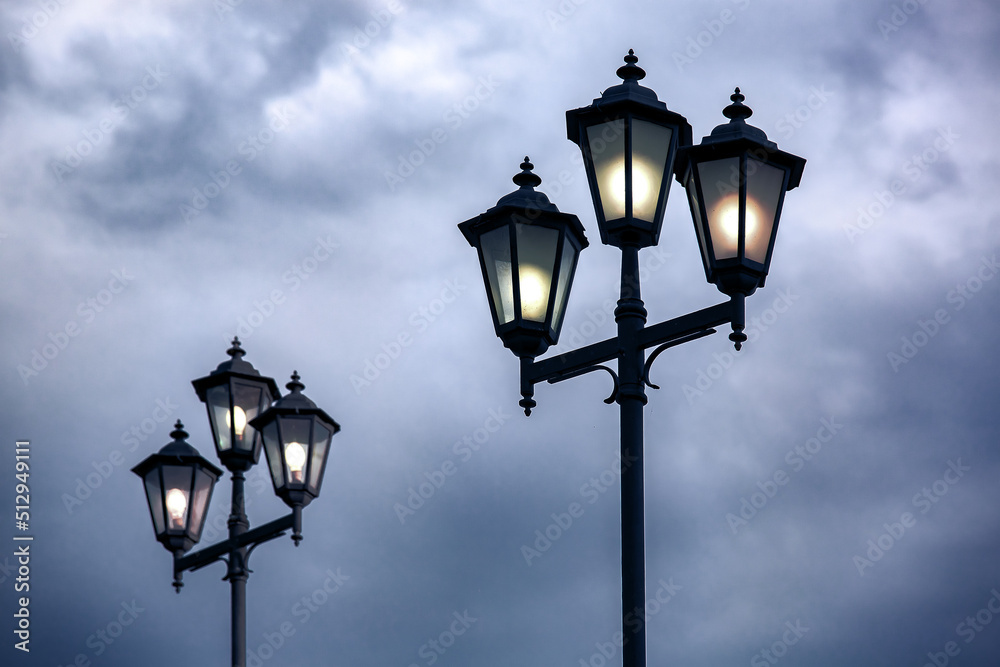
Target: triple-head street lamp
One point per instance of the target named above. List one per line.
(246, 411)
(632, 145)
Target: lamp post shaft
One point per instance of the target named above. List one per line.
(631, 318)
(237, 574)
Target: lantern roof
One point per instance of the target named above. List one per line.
(235, 366)
(627, 95)
(524, 200)
(178, 451)
(294, 403)
(737, 127)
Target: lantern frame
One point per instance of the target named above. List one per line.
(285, 419)
(636, 119)
(178, 462)
(235, 387)
(540, 247)
(746, 151)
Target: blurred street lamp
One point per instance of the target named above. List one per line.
(632, 145)
(179, 481)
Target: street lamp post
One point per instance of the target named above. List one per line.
(632, 145)
(295, 435)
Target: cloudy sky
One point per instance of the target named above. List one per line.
(179, 172)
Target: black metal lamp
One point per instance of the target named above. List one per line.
(528, 251)
(297, 438)
(629, 140)
(736, 181)
(235, 393)
(179, 484)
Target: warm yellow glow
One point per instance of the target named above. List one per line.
(534, 293)
(295, 458)
(177, 503)
(643, 192)
(727, 212)
(241, 420)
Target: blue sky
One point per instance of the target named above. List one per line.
(177, 173)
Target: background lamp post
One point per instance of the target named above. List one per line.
(631, 145)
(179, 482)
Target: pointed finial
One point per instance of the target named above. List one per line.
(737, 111)
(179, 433)
(527, 179)
(630, 71)
(295, 385)
(236, 351)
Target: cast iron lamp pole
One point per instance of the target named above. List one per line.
(179, 482)
(632, 145)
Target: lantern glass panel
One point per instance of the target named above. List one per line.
(246, 406)
(321, 440)
(607, 151)
(155, 499)
(567, 267)
(202, 494)
(495, 246)
(764, 186)
(272, 445)
(536, 258)
(692, 192)
(720, 187)
(217, 399)
(650, 146)
(177, 496)
(295, 437)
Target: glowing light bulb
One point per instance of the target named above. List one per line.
(640, 186)
(295, 458)
(534, 293)
(177, 503)
(728, 216)
(240, 420)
